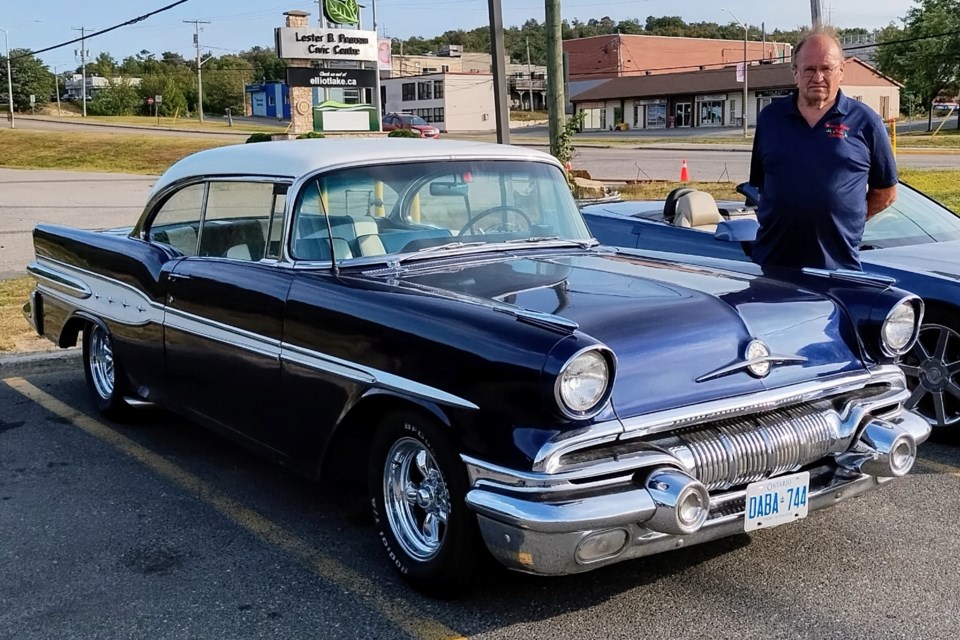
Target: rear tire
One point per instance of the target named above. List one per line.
(102, 371)
(417, 486)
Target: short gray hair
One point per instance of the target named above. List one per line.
(806, 34)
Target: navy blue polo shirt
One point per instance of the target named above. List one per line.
(813, 182)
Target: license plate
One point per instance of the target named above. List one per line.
(776, 501)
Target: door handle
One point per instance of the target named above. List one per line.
(177, 276)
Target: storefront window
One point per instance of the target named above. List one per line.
(656, 115)
(711, 113)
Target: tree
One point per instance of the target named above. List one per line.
(104, 66)
(223, 84)
(30, 77)
(119, 98)
(925, 55)
(170, 86)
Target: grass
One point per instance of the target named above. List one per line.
(97, 151)
(213, 124)
(16, 334)
(942, 185)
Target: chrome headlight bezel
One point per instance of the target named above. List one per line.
(598, 355)
(895, 348)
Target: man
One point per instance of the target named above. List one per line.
(823, 164)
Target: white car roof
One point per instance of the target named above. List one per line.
(294, 158)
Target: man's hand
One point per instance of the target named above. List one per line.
(880, 199)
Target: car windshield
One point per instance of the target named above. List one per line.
(417, 120)
(912, 219)
(407, 208)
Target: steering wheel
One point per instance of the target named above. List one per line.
(502, 226)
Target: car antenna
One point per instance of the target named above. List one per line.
(326, 215)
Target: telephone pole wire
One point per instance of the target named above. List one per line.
(196, 41)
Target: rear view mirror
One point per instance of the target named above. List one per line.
(449, 189)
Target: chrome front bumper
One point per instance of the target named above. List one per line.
(542, 523)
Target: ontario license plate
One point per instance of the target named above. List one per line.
(776, 501)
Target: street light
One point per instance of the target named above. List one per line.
(745, 65)
(6, 42)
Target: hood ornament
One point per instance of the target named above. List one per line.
(757, 360)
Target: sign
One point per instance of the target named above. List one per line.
(385, 50)
(716, 97)
(341, 11)
(33, 99)
(348, 78)
(158, 99)
(773, 93)
(326, 44)
(590, 105)
(649, 101)
(149, 100)
(739, 72)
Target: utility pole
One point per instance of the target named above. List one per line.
(529, 74)
(83, 68)
(816, 13)
(499, 75)
(196, 41)
(555, 97)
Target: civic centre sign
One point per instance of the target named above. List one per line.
(326, 44)
(345, 78)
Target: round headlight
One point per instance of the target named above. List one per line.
(900, 328)
(583, 382)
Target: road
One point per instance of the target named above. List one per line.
(158, 529)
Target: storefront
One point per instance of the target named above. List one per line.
(766, 97)
(710, 110)
(594, 115)
(649, 114)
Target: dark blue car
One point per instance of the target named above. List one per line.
(434, 325)
(916, 242)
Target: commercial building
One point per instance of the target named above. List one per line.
(714, 97)
(449, 101)
(74, 86)
(268, 100)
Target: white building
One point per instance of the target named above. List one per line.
(74, 86)
(449, 101)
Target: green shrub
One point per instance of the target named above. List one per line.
(259, 137)
(403, 133)
(310, 134)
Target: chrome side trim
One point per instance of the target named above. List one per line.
(59, 281)
(119, 302)
(740, 366)
(849, 275)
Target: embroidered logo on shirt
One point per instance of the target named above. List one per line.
(836, 130)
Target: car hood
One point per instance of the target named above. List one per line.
(933, 258)
(678, 331)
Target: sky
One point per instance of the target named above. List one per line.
(235, 25)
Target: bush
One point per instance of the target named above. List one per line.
(403, 133)
(259, 137)
(310, 134)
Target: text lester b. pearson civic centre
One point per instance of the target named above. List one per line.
(331, 43)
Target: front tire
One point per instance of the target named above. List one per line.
(417, 487)
(102, 371)
(932, 368)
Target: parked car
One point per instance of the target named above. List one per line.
(437, 326)
(915, 242)
(393, 121)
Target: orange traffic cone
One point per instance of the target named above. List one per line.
(684, 174)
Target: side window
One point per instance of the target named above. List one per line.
(238, 220)
(177, 224)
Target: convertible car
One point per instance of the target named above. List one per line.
(916, 242)
(434, 325)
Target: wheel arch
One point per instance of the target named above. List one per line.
(74, 325)
(345, 457)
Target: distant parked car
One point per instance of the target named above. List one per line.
(915, 242)
(434, 325)
(393, 121)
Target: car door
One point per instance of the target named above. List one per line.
(224, 311)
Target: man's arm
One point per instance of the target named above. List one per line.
(880, 199)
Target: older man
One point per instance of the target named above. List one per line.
(823, 164)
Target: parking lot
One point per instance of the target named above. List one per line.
(158, 529)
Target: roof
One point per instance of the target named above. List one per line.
(724, 80)
(295, 158)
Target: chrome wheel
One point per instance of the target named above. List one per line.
(100, 357)
(932, 369)
(416, 498)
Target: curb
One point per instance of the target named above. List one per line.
(137, 127)
(21, 359)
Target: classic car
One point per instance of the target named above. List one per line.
(915, 241)
(438, 328)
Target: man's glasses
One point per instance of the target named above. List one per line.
(809, 72)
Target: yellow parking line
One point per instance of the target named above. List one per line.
(938, 467)
(324, 566)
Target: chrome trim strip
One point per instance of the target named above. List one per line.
(58, 281)
(739, 366)
(849, 275)
(222, 333)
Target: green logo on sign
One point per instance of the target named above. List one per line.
(342, 11)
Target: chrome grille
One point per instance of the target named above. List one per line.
(737, 451)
